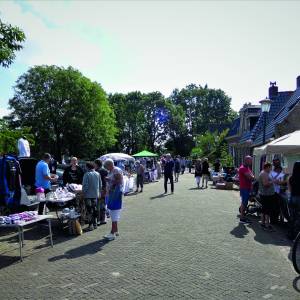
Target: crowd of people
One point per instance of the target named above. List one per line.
(101, 189)
(102, 185)
(273, 186)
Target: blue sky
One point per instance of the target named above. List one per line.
(238, 46)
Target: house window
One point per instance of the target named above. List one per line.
(253, 121)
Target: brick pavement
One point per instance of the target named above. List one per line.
(183, 246)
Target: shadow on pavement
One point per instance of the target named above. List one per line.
(36, 234)
(240, 231)
(159, 196)
(6, 261)
(83, 250)
(131, 194)
(277, 238)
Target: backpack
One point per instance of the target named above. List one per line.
(10, 186)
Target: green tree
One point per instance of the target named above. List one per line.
(156, 115)
(205, 109)
(129, 116)
(9, 137)
(179, 141)
(213, 146)
(68, 112)
(11, 39)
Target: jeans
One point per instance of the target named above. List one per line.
(204, 179)
(168, 176)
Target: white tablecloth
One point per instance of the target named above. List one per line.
(153, 175)
(128, 184)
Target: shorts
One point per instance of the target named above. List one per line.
(115, 215)
(245, 195)
(267, 203)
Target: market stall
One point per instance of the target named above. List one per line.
(118, 157)
(145, 153)
(287, 148)
(151, 173)
(20, 220)
(126, 163)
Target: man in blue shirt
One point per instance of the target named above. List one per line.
(43, 177)
(168, 173)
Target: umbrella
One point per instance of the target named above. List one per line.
(117, 156)
(145, 153)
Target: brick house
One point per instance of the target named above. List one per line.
(282, 118)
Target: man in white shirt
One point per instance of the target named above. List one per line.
(23, 147)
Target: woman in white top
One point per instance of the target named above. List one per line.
(278, 178)
(279, 181)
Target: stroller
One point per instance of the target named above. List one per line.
(254, 206)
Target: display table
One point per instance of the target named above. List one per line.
(128, 184)
(153, 175)
(61, 201)
(21, 226)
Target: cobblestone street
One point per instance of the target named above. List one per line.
(185, 245)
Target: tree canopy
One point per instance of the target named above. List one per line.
(151, 121)
(9, 137)
(11, 38)
(67, 112)
(205, 109)
(70, 114)
(213, 145)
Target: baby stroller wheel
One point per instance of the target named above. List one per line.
(296, 254)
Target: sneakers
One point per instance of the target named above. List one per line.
(110, 236)
(117, 233)
(91, 228)
(245, 221)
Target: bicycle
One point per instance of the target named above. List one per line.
(296, 244)
(296, 254)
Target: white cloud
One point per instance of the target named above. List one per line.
(65, 42)
(143, 45)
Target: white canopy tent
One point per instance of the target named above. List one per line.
(262, 150)
(117, 157)
(287, 147)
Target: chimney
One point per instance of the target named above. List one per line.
(273, 90)
(298, 82)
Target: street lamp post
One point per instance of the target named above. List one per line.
(265, 108)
